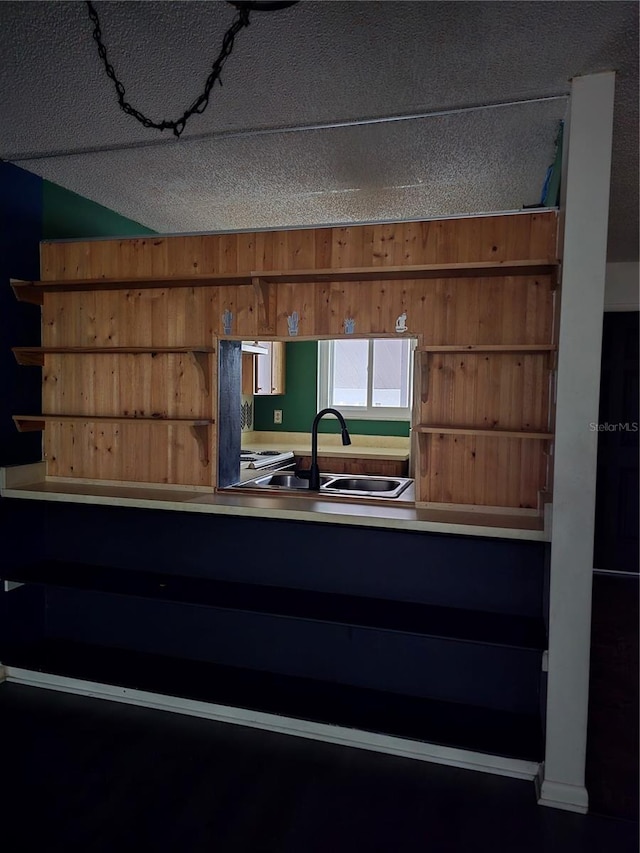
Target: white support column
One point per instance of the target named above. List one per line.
(582, 300)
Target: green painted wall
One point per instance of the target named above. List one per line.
(299, 404)
(67, 215)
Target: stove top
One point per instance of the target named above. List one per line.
(262, 458)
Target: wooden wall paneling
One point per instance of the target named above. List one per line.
(144, 453)
(516, 310)
(247, 315)
(487, 390)
(262, 257)
(144, 385)
(302, 299)
(279, 249)
(247, 252)
(323, 245)
(300, 249)
(492, 238)
(481, 470)
(323, 320)
(227, 253)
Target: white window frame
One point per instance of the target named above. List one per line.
(369, 412)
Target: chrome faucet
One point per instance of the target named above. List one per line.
(313, 474)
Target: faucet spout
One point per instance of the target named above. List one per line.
(313, 474)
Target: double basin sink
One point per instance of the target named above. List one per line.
(352, 485)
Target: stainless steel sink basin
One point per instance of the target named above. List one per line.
(368, 484)
(332, 484)
(281, 481)
(384, 487)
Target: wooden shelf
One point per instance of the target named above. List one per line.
(33, 423)
(198, 427)
(497, 348)
(32, 291)
(496, 433)
(34, 356)
(412, 271)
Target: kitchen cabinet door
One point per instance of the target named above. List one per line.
(270, 369)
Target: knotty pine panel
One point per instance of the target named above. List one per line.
(241, 302)
(161, 317)
(481, 470)
(165, 385)
(501, 310)
(490, 238)
(143, 453)
(486, 390)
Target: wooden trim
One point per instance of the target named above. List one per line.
(498, 433)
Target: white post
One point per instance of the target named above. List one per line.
(582, 300)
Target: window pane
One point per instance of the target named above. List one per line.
(349, 377)
(391, 372)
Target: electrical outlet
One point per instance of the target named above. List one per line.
(277, 416)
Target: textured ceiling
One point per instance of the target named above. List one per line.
(246, 164)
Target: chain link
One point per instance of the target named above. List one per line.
(201, 103)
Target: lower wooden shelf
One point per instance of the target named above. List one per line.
(199, 426)
(496, 433)
(467, 727)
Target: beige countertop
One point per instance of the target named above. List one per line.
(329, 444)
(28, 482)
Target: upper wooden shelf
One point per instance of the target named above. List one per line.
(496, 433)
(35, 355)
(413, 271)
(32, 291)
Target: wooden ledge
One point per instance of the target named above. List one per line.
(31, 423)
(34, 356)
(496, 433)
(32, 291)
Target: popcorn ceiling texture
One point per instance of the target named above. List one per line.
(314, 63)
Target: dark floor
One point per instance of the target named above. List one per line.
(92, 775)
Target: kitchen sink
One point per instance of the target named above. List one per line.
(336, 485)
(283, 481)
(363, 486)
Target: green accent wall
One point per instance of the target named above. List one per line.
(67, 215)
(299, 404)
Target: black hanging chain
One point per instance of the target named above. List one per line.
(200, 104)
